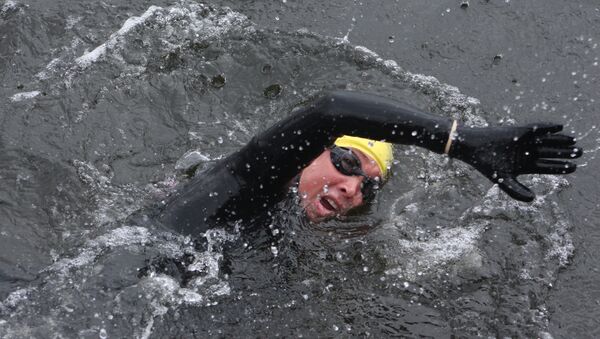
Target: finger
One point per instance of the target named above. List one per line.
(557, 140)
(545, 128)
(559, 152)
(545, 166)
(515, 189)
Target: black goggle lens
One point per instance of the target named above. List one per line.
(347, 163)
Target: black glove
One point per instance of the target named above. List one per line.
(503, 153)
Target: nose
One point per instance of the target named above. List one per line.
(350, 188)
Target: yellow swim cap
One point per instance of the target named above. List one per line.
(379, 151)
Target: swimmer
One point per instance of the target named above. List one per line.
(336, 153)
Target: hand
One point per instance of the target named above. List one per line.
(503, 153)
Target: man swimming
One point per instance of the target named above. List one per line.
(334, 173)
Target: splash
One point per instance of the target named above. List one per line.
(24, 96)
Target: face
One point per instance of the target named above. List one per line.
(325, 192)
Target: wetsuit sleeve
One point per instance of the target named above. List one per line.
(278, 154)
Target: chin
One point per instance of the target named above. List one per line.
(315, 218)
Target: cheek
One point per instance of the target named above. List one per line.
(310, 185)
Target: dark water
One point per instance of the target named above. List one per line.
(103, 105)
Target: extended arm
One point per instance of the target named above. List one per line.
(278, 154)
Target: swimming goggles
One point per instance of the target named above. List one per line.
(348, 163)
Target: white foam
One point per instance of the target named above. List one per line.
(24, 96)
(8, 5)
(170, 20)
(425, 257)
(87, 59)
(72, 21)
(15, 297)
(191, 159)
(122, 236)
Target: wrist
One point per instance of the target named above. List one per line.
(451, 137)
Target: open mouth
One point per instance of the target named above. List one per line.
(329, 204)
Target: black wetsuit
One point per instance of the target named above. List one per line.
(255, 177)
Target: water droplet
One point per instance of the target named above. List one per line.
(103, 334)
(220, 140)
(391, 39)
(414, 133)
(501, 180)
(405, 284)
(325, 189)
(526, 153)
(464, 5)
(335, 328)
(515, 138)
(495, 175)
